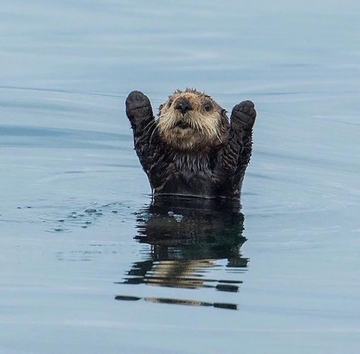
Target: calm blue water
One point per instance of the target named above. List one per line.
(86, 266)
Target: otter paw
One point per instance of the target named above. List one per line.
(137, 105)
(244, 112)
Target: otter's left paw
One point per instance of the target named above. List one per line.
(245, 113)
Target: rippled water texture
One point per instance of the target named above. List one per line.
(90, 264)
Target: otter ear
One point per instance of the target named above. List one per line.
(223, 112)
(160, 107)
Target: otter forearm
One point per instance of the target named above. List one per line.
(235, 155)
(140, 114)
(237, 149)
(242, 119)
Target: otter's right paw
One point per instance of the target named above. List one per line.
(137, 105)
(244, 113)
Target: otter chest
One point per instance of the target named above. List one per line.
(188, 175)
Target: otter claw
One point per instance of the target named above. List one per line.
(245, 112)
(136, 99)
(135, 104)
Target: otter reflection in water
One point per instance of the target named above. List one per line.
(188, 238)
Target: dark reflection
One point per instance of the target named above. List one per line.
(188, 238)
(178, 302)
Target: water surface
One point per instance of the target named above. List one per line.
(90, 264)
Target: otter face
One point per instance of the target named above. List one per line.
(191, 119)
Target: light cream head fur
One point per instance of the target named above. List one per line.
(192, 120)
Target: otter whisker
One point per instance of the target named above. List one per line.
(149, 125)
(153, 132)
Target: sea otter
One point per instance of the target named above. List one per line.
(192, 149)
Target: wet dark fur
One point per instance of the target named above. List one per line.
(217, 171)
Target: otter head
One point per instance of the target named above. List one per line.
(192, 120)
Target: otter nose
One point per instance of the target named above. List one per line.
(183, 106)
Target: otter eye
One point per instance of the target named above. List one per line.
(207, 106)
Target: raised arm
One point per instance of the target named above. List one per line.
(235, 155)
(140, 114)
